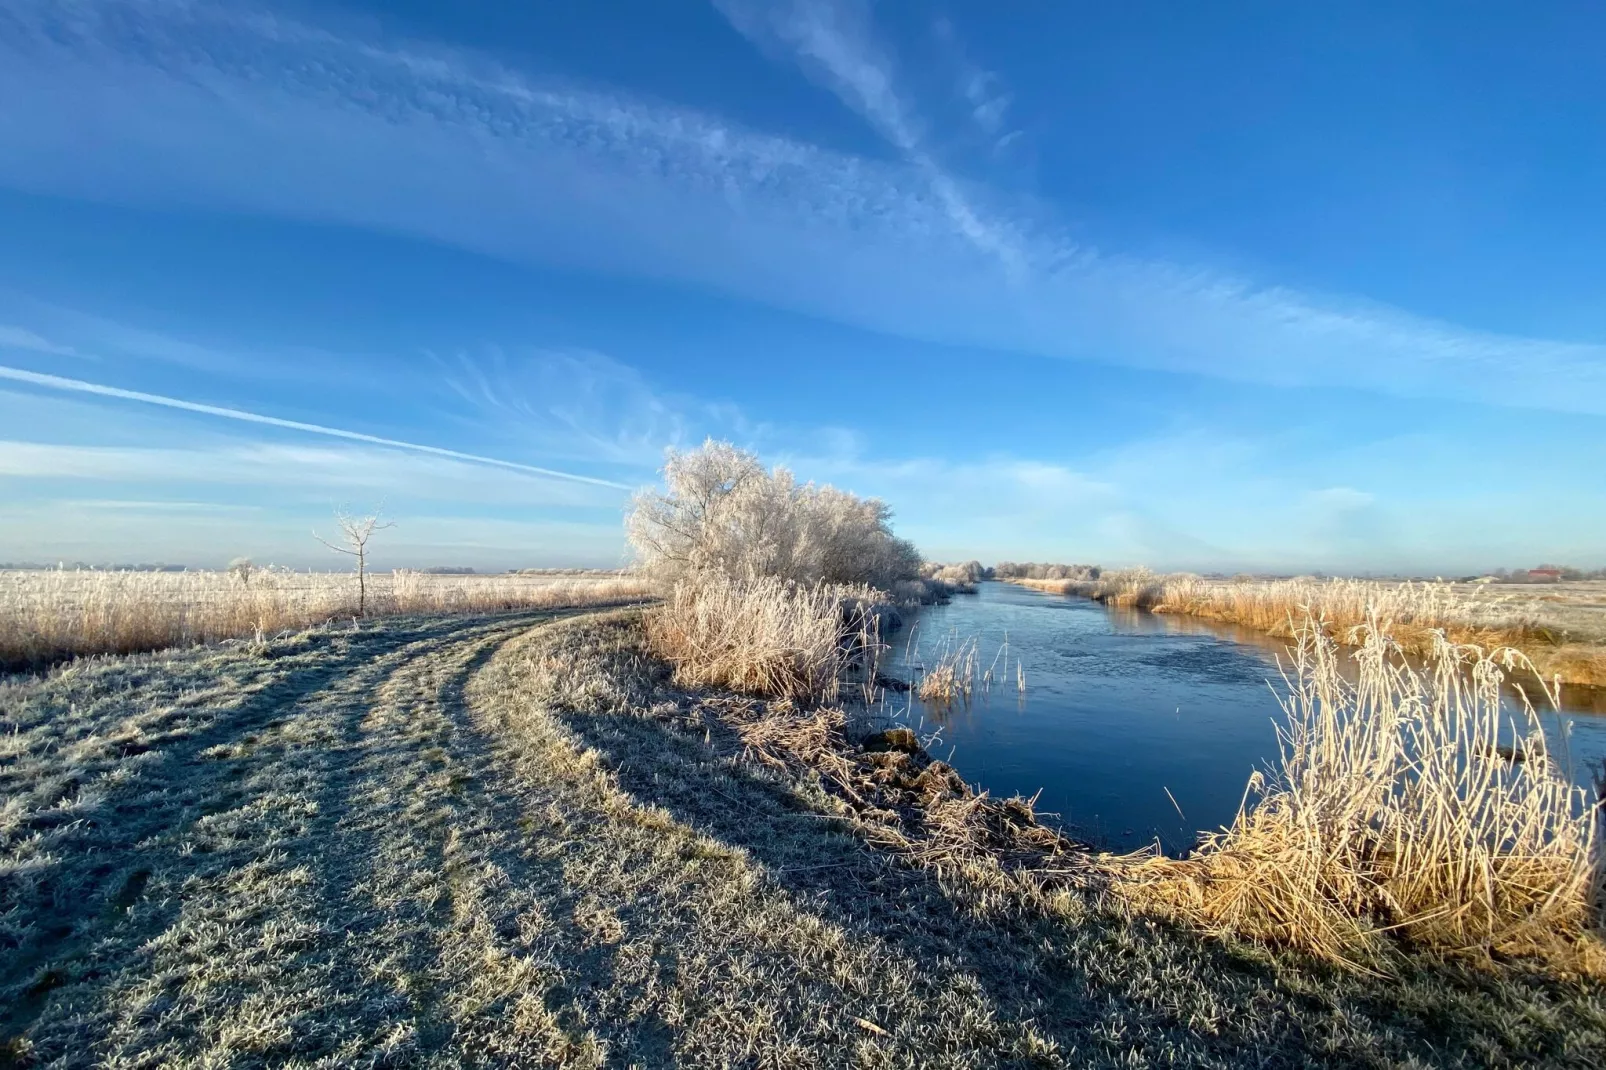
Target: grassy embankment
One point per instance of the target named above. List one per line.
(47, 617)
(512, 841)
(1413, 612)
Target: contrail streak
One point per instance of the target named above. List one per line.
(56, 382)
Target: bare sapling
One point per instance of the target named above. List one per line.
(355, 531)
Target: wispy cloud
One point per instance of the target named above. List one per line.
(982, 90)
(164, 103)
(21, 338)
(834, 43)
(79, 386)
(579, 404)
(276, 474)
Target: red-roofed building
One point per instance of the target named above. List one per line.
(1545, 575)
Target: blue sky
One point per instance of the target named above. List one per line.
(1254, 286)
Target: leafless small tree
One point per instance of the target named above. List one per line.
(355, 531)
(241, 568)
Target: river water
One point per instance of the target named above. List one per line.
(1133, 726)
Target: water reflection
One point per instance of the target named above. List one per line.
(1133, 726)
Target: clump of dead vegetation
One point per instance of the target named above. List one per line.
(902, 800)
(1408, 811)
(768, 636)
(951, 675)
(49, 616)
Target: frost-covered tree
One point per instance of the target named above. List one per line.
(722, 512)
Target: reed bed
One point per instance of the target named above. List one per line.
(1408, 810)
(768, 636)
(1416, 615)
(51, 616)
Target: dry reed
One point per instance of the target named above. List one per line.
(1399, 816)
(951, 676)
(767, 636)
(51, 616)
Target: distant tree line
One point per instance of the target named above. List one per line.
(1032, 570)
(1523, 575)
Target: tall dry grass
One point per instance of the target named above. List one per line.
(1417, 615)
(1408, 807)
(51, 616)
(951, 675)
(768, 636)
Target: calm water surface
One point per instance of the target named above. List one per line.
(1122, 707)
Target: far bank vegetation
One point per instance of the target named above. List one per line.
(1415, 614)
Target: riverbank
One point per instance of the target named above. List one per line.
(1561, 628)
(517, 840)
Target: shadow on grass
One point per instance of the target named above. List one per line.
(1097, 982)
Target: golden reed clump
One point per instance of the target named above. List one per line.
(1409, 808)
(766, 636)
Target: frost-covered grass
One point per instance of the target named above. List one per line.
(508, 841)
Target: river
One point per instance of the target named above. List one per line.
(1133, 726)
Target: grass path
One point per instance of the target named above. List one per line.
(507, 841)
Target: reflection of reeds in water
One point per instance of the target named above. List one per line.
(1395, 812)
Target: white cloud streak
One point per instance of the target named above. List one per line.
(833, 42)
(173, 104)
(79, 386)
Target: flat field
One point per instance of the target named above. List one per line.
(47, 616)
(511, 840)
